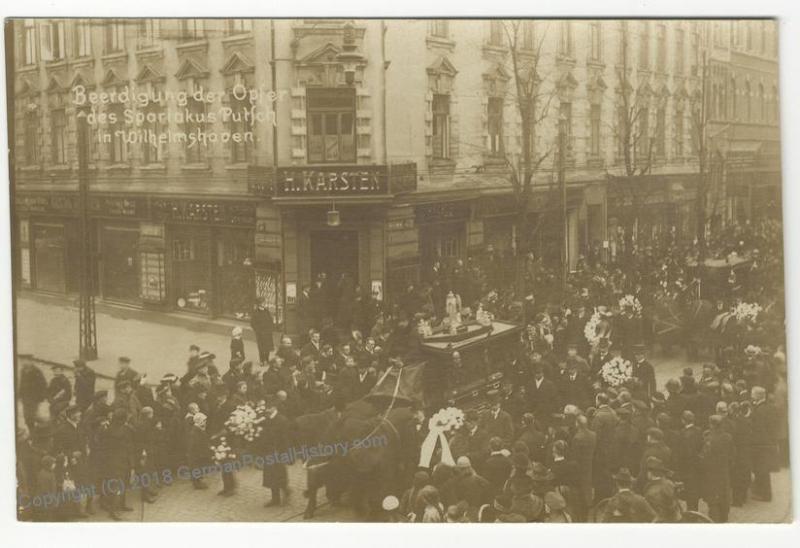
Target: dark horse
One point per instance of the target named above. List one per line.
(377, 439)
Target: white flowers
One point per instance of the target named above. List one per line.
(747, 311)
(222, 451)
(617, 371)
(446, 419)
(590, 329)
(245, 422)
(631, 302)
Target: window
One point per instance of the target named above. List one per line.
(496, 33)
(774, 104)
(528, 35)
(623, 43)
(83, 38)
(242, 151)
(148, 32)
(762, 103)
(53, 48)
(764, 35)
(32, 137)
(58, 137)
(117, 147)
(331, 117)
(115, 37)
(594, 126)
(152, 148)
(749, 36)
(565, 39)
(661, 48)
(748, 102)
(679, 132)
(29, 42)
(239, 26)
(195, 151)
(644, 45)
(495, 123)
(595, 41)
(643, 141)
(695, 53)
(680, 50)
(565, 126)
(440, 28)
(622, 132)
(441, 126)
(182, 250)
(661, 132)
(191, 29)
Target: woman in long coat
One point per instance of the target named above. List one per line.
(262, 324)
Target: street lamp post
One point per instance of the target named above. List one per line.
(87, 328)
(562, 180)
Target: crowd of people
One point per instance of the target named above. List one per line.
(561, 441)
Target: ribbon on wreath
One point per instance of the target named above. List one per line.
(429, 446)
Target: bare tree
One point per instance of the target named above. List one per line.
(635, 144)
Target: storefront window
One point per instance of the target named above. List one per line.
(120, 263)
(191, 271)
(235, 250)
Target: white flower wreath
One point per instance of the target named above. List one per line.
(617, 371)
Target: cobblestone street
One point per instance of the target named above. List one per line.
(48, 331)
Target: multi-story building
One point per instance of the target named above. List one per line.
(361, 148)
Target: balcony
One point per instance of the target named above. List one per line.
(323, 183)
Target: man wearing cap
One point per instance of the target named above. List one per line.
(84, 384)
(717, 460)
(125, 371)
(68, 436)
(32, 389)
(643, 370)
(125, 398)
(626, 506)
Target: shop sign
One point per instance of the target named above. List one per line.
(442, 212)
(113, 206)
(339, 181)
(204, 211)
(46, 203)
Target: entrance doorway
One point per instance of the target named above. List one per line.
(334, 252)
(120, 263)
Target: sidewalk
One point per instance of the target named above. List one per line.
(48, 329)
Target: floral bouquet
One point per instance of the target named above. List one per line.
(222, 451)
(631, 302)
(590, 329)
(747, 311)
(446, 419)
(616, 372)
(245, 422)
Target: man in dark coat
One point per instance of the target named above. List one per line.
(84, 384)
(626, 506)
(68, 436)
(125, 372)
(533, 438)
(276, 444)
(742, 472)
(198, 450)
(643, 370)
(59, 391)
(687, 459)
(542, 396)
(603, 424)
(717, 457)
(574, 386)
(764, 443)
(32, 389)
(262, 324)
(498, 465)
(313, 347)
(497, 422)
(582, 448)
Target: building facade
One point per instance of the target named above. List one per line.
(367, 150)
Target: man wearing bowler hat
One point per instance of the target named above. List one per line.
(643, 370)
(626, 506)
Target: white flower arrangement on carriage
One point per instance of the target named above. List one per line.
(632, 303)
(616, 372)
(747, 312)
(446, 420)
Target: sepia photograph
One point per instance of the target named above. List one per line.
(452, 270)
